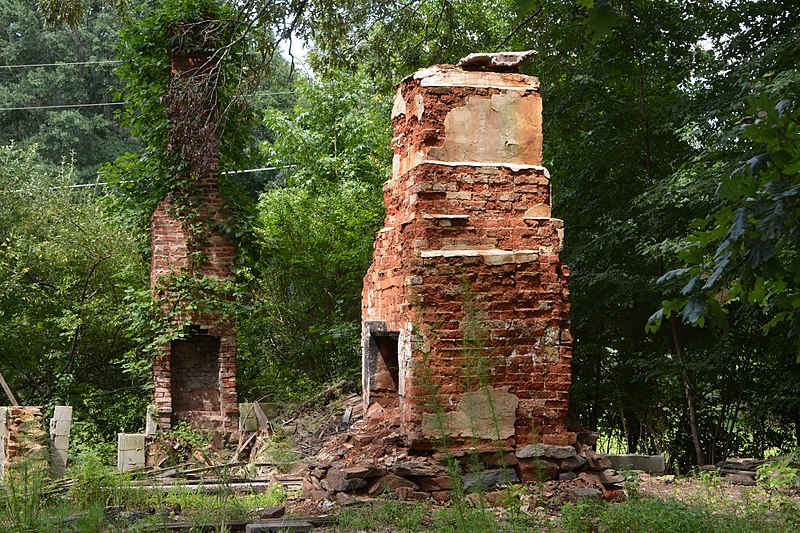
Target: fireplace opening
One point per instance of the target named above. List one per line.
(194, 379)
(386, 368)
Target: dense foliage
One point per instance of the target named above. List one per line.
(65, 263)
(671, 131)
(315, 237)
(84, 75)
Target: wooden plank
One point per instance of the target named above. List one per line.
(296, 525)
(8, 391)
(236, 525)
(263, 421)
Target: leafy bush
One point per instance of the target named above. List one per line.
(673, 516)
(779, 474)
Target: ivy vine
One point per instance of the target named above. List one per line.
(185, 70)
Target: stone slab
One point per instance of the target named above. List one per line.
(545, 450)
(485, 414)
(130, 451)
(652, 464)
(489, 479)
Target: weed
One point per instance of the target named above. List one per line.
(180, 444)
(778, 474)
(24, 498)
(95, 482)
(281, 453)
(631, 484)
(383, 515)
(465, 518)
(673, 516)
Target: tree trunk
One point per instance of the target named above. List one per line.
(688, 390)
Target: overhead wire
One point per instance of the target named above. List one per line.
(100, 104)
(102, 183)
(64, 106)
(70, 63)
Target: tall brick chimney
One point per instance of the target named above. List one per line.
(468, 240)
(195, 377)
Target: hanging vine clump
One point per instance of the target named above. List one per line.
(191, 106)
(185, 68)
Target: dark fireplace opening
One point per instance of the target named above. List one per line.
(386, 368)
(194, 378)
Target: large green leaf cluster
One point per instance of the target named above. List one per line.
(87, 135)
(65, 263)
(315, 234)
(746, 251)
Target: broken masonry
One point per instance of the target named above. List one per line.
(468, 227)
(466, 345)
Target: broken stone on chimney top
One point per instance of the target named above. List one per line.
(496, 62)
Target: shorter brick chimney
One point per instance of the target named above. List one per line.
(194, 377)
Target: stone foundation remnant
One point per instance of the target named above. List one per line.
(22, 438)
(195, 377)
(465, 306)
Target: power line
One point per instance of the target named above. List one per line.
(262, 169)
(100, 104)
(65, 106)
(35, 65)
(102, 183)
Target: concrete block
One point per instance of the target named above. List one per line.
(652, 464)
(130, 451)
(248, 421)
(151, 421)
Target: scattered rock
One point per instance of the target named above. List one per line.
(417, 468)
(537, 470)
(545, 450)
(496, 498)
(392, 482)
(441, 495)
(597, 461)
(490, 479)
(337, 482)
(613, 495)
(361, 472)
(273, 512)
(741, 479)
(476, 499)
(431, 484)
(579, 494)
(407, 493)
(344, 499)
(572, 463)
(610, 477)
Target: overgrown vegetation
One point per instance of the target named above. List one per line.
(692, 92)
(102, 499)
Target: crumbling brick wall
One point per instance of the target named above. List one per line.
(170, 254)
(22, 437)
(468, 226)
